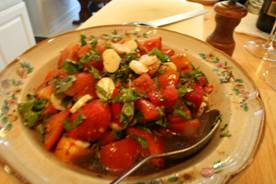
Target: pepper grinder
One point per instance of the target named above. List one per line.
(228, 16)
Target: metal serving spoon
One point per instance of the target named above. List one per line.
(210, 124)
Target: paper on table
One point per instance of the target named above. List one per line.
(248, 26)
(123, 11)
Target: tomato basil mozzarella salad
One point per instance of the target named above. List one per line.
(117, 101)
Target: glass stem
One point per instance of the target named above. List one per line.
(269, 42)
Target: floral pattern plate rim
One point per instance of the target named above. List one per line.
(235, 95)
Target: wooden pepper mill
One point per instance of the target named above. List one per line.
(228, 16)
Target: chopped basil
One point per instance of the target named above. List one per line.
(126, 95)
(162, 122)
(92, 55)
(119, 134)
(131, 56)
(182, 90)
(102, 94)
(160, 55)
(83, 39)
(93, 41)
(142, 141)
(196, 73)
(95, 72)
(31, 110)
(182, 114)
(70, 67)
(61, 85)
(40, 129)
(69, 126)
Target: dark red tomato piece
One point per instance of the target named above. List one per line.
(150, 44)
(168, 52)
(156, 98)
(144, 84)
(116, 110)
(170, 95)
(195, 96)
(188, 128)
(49, 109)
(120, 156)
(54, 129)
(202, 81)
(154, 143)
(170, 77)
(148, 109)
(182, 63)
(97, 64)
(70, 52)
(52, 74)
(107, 138)
(97, 118)
(116, 90)
(84, 50)
(84, 84)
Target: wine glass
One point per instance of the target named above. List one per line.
(267, 52)
(263, 49)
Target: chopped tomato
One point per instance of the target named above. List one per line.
(97, 118)
(84, 50)
(168, 52)
(170, 95)
(148, 109)
(195, 96)
(202, 81)
(54, 129)
(120, 155)
(69, 149)
(49, 109)
(100, 48)
(156, 98)
(116, 90)
(170, 77)
(182, 63)
(150, 44)
(144, 84)
(154, 144)
(188, 128)
(116, 110)
(107, 138)
(54, 73)
(70, 52)
(84, 84)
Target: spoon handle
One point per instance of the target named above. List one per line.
(120, 178)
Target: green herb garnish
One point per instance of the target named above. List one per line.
(70, 67)
(69, 126)
(61, 85)
(95, 73)
(31, 110)
(83, 39)
(160, 55)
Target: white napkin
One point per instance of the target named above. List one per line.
(248, 26)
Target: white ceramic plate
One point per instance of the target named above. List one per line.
(229, 152)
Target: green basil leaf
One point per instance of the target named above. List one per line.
(160, 55)
(70, 67)
(182, 114)
(91, 56)
(69, 126)
(83, 40)
(142, 141)
(182, 90)
(64, 84)
(95, 73)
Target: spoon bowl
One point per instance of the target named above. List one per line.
(209, 124)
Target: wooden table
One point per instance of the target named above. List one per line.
(263, 168)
